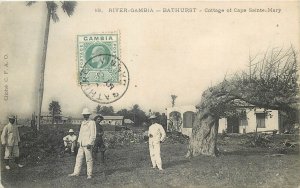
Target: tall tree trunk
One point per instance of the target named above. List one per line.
(41, 88)
(204, 136)
(52, 115)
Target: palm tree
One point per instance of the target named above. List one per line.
(173, 97)
(68, 7)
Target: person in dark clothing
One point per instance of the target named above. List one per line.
(99, 143)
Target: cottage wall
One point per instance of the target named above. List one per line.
(111, 122)
(222, 125)
(271, 122)
(251, 122)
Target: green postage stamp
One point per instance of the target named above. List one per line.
(103, 77)
(95, 58)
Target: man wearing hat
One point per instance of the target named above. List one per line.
(70, 141)
(156, 135)
(10, 138)
(86, 140)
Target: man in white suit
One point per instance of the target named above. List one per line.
(86, 140)
(156, 135)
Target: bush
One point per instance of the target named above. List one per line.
(260, 140)
(121, 138)
(177, 137)
(276, 143)
(47, 143)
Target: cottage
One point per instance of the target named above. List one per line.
(181, 119)
(263, 119)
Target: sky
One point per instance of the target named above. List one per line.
(165, 53)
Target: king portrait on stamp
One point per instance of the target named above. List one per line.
(97, 60)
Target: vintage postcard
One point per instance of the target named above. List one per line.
(149, 94)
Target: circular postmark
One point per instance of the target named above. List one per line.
(106, 84)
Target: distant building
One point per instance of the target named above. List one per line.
(113, 120)
(76, 121)
(108, 120)
(58, 119)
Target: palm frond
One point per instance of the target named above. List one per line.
(29, 3)
(69, 7)
(52, 7)
(55, 17)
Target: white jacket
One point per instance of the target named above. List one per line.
(156, 133)
(87, 133)
(70, 138)
(10, 135)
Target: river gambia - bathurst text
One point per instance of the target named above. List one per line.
(140, 10)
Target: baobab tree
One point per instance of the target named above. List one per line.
(271, 83)
(51, 7)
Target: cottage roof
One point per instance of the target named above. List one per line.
(113, 117)
(181, 108)
(128, 121)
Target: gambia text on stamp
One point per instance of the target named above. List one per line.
(103, 77)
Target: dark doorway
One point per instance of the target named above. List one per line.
(232, 125)
(188, 119)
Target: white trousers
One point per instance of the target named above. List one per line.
(83, 151)
(70, 145)
(11, 151)
(154, 148)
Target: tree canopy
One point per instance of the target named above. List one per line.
(55, 110)
(173, 99)
(105, 110)
(138, 115)
(270, 83)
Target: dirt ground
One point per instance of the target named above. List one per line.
(130, 166)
